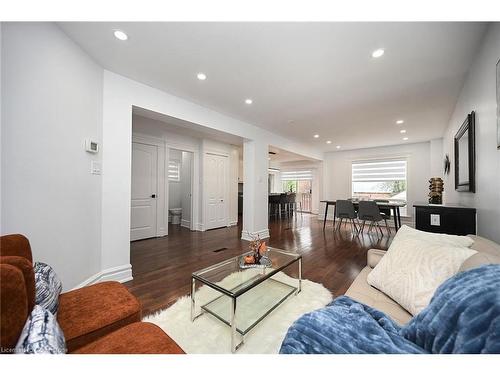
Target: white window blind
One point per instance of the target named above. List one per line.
(174, 173)
(296, 175)
(379, 171)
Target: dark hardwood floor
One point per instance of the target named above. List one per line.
(162, 266)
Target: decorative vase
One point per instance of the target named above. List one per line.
(436, 189)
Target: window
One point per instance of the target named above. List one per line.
(174, 170)
(299, 182)
(380, 179)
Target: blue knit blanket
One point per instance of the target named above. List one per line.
(462, 317)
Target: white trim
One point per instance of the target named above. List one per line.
(232, 223)
(247, 236)
(121, 274)
(186, 223)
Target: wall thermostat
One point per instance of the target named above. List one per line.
(91, 146)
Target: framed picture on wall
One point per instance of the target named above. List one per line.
(498, 104)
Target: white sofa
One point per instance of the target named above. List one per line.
(487, 252)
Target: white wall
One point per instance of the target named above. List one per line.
(51, 102)
(337, 170)
(437, 158)
(479, 95)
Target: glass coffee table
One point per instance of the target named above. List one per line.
(244, 297)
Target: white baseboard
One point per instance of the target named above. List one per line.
(249, 236)
(186, 223)
(232, 223)
(120, 273)
(200, 227)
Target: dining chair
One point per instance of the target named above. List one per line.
(369, 211)
(385, 212)
(344, 209)
(274, 204)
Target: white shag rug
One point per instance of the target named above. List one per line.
(208, 335)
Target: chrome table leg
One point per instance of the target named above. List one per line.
(232, 316)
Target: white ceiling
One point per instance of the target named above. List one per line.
(283, 156)
(304, 78)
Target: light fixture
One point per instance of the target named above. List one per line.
(337, 147)
(316, 136)
(201, 76)
(399, 122)
(378, 53)
(402, 131)
(328, 142)
(120, 35)
(405, 138)
(248, 101)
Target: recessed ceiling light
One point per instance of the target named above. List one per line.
(248, 101)
(316, 136)
(405, 138)
(399, 122)
(337, 147)
(201, 76)
(378, 53)
(120, 35)
(402, 131)
(328, 142)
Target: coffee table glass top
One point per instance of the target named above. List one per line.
(240, 282)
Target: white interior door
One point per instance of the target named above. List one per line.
(144, 185)
(216, 172)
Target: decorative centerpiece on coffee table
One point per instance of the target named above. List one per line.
(257, 258)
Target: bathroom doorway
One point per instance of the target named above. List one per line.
(179, 178)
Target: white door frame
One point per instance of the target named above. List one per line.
(193, 225)
(226, 190)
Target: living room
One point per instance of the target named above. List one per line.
(174, 187)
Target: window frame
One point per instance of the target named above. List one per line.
(404, 157)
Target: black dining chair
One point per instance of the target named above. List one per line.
(274, 204)
(344, 210)
(290, 203)
(385, 212)
(369, 211)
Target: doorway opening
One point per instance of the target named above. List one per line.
(179, 179)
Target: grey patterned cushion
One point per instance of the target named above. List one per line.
(48, 287)
(41, 334)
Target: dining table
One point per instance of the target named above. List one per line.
(392, 205)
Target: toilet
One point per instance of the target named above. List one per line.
(176, 214)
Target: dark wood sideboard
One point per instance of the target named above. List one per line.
(445, 219)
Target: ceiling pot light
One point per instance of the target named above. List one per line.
(337, 147)
(378, 53)
(402, 131)
(201, 76)
(328, 142)
(316, 135)
(405, 138)
(399, 122)
(120, 35)
(248, 101)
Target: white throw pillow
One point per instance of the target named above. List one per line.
(416, 264)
